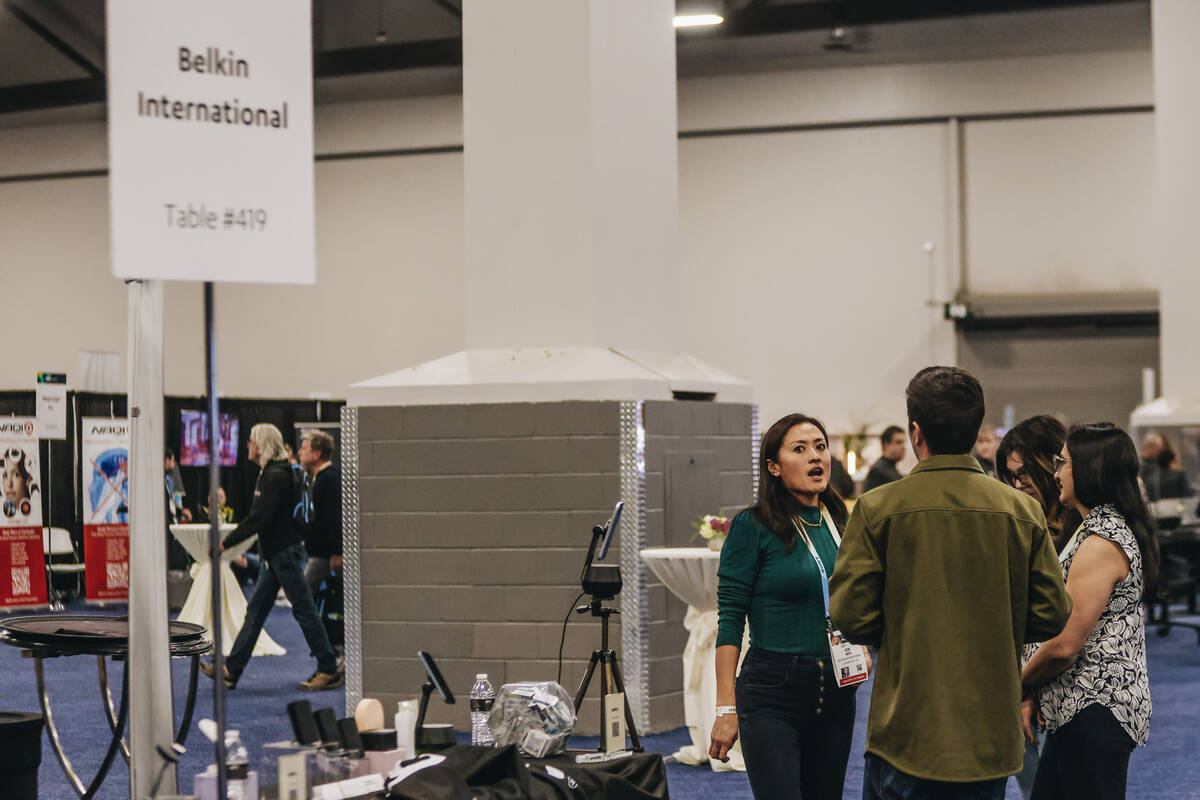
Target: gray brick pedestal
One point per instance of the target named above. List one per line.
(467, 528)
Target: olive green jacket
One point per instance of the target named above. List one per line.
(948, 572)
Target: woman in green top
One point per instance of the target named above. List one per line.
(794, 721)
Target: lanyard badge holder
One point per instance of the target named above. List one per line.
(849, 660)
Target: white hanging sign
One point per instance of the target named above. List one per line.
(51, 402)
(211, 140)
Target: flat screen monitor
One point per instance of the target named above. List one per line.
(610, 528)
(193, 439)
(435, 676)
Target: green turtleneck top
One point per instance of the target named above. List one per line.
(780, 592)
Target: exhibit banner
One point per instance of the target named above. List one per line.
(210, 135)
(22, 562)
(104, 461)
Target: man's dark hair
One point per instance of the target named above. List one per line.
(320, 441)
(947, 403)
(168, 453)
(890, 431)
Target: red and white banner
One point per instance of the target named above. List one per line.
(22, 563)
(105, 484)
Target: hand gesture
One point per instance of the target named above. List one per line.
(724, 734)
(1029, 713)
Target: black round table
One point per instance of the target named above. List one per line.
(60, 635)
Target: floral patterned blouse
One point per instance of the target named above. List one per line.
(1111, 668)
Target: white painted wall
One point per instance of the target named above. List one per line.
(389, 289)
(899, 91)
(802, 268)
(805, 267)
(1061, 205)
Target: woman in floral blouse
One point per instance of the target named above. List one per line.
(1088, 686)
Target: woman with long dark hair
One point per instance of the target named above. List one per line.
(1025, 461)
(1088, 686)
(794, 720)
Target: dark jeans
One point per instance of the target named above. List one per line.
(315, 572)
(795, 725)
(1029, 765)
(882, 781)
(284, 569)
(1086, 758)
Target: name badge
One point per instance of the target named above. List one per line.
(849, 660)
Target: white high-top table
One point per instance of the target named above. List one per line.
(690, 573)
(198, 606)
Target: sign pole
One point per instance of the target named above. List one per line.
(229, 83)
(51, 403)
(151, 720)
(214, 532)
(53, 597)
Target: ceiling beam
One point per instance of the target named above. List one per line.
(388, 57)
(54, 94)
(448, 7)
(758, 19)
(60, 33)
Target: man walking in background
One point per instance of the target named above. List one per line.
(884, 470)
(323, 539)
(948, 573)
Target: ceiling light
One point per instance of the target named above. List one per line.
(697, 20)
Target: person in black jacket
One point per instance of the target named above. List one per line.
(323, 538)
(282, 553)
(895, 444)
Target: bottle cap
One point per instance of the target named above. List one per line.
(481, 676)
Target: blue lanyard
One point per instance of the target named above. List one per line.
(820, 565)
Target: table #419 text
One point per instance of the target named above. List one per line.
(199, 217)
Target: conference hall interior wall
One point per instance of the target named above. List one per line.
(803, 268)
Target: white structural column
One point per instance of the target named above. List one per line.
(150, 708)
(571, 169)
(1176, 29)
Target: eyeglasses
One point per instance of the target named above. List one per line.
(1019, 478)
(1059, 463)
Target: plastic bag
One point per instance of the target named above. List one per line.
(538, 718)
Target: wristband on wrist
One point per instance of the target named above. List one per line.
(723, 710)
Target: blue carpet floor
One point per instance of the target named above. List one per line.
(1167, 769)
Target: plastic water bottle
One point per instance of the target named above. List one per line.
(483, 697)
(237, 767)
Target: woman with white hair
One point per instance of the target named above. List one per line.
(282, 550)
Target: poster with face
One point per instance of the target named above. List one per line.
(104, 464)
(22, 564)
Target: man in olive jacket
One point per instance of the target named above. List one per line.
(948, 572)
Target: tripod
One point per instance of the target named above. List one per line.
(610, 675)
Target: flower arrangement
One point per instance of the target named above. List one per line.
(714, 528)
